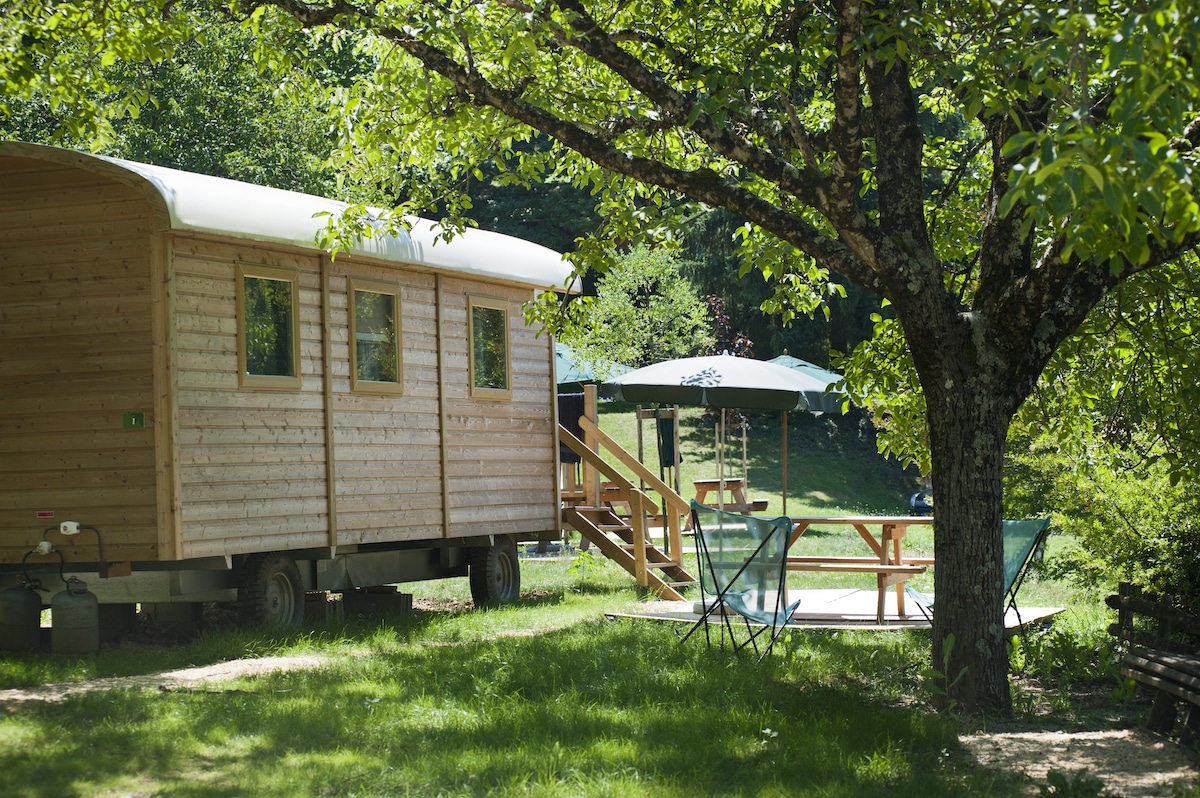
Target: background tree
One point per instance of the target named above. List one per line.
(1072, 173)
(553, 213)
(210, 108)
(1109, 438)
(645, 311)
(755, 305)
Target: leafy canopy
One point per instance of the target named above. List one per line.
(645, 312)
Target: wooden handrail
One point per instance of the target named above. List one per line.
(674, 505)
(603, 466)
(639, 502)
(638, 467)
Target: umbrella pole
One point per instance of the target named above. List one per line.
(745, 470)
(721, 461)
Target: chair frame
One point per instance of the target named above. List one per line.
(718, 602)
(1010, 592)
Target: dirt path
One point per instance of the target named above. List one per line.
(1129, 762)
(184, 679)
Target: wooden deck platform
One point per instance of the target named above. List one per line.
(844, 608)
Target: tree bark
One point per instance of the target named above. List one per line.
(967, 435)
(972, 389)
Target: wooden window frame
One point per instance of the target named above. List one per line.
(358, 385)
(268, 381)
(491, 303)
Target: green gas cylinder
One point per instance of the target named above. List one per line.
(74, 620)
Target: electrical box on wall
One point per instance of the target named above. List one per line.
(134, 421)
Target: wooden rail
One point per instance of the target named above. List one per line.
(639, 502)
(674, 505)
(1170, 667)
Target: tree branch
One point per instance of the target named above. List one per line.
(846, 136)
(596, 44)
(702, 184)
(899, 161)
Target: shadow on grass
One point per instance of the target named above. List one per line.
(600, 708)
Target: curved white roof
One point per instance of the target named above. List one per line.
(244, 210)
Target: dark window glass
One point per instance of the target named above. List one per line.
(375, 336)
(269, 314)
(489, 347)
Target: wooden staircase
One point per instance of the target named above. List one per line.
(625, 541)
(600, 525)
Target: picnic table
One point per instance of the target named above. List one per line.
(889, 563)
(735, 488)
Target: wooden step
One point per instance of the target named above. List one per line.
(596, 524)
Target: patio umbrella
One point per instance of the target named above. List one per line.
(824, 400)
(715, 381)
(720, 381)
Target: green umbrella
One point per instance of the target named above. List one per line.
(825, 400)
(722, 381)
(570, 370)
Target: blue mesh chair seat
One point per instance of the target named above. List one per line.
(743, 568)
(1021, 540)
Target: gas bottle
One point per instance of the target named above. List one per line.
(74, 620)
(20, 618)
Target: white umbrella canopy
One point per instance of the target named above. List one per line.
(716, 381)
(721, 381)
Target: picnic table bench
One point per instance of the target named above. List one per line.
(1159, 661)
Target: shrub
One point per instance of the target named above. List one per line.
(1130, 520)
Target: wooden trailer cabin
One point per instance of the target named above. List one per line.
(197, 403)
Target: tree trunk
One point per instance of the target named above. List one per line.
(968, 426)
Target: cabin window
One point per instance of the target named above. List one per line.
(375, 363)
(268, 329)
(488, 322)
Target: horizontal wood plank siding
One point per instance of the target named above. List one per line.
(387, 468)
(75, 356)
(252, 461)
(500, 453)
(249, 469)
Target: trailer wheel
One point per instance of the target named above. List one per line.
(495, 574)
(271, 593)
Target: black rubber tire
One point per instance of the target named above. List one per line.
(271, 595)
(495, 573)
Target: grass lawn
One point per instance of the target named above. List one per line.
(542, 698)
(545, 697)
(548, 696)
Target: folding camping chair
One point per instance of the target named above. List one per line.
(743, 569)
(1021, 540)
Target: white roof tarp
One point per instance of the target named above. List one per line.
(243, 210)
